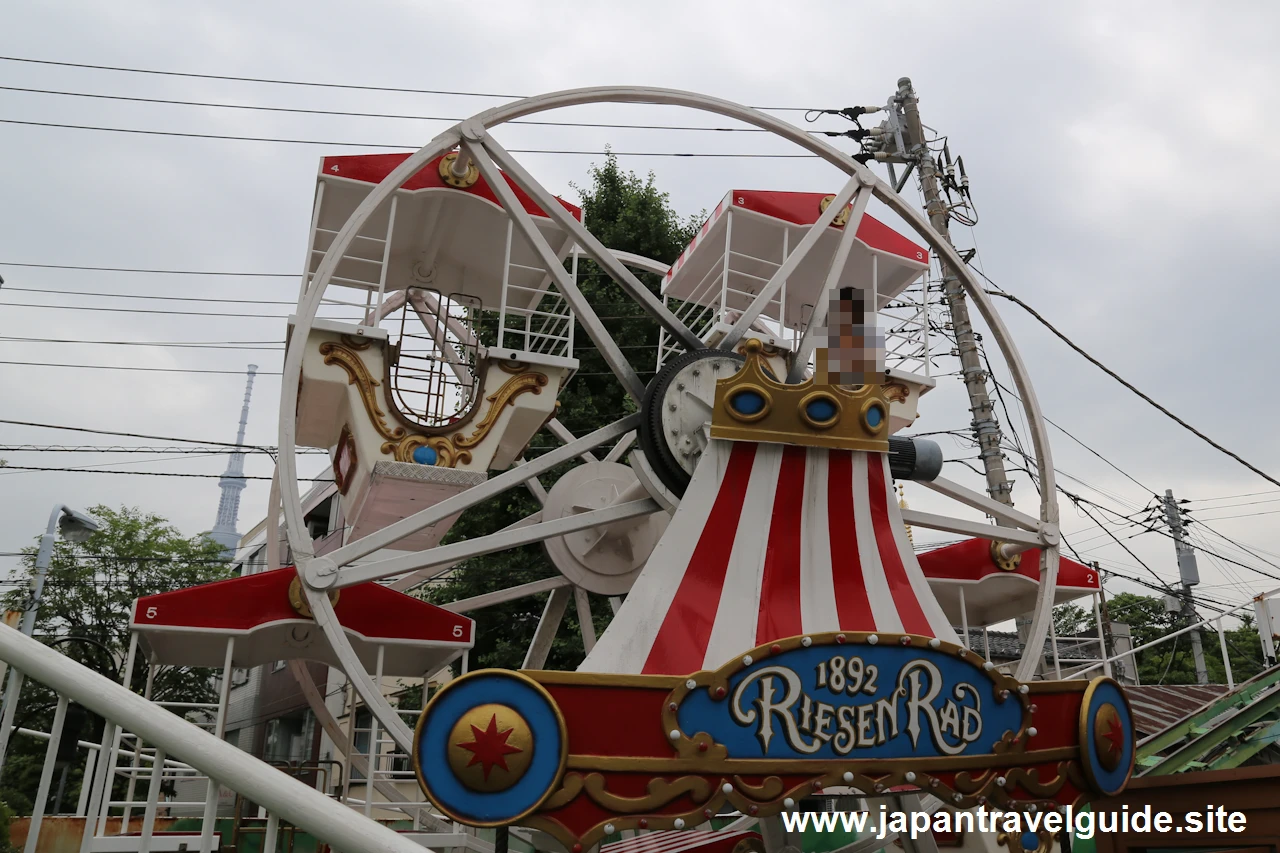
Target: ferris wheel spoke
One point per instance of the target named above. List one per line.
(623, 445)
(586, 315)
(412, 579)
(354, 669)
(818, 317)
(589, 243)
(548, 624)
(964, 527)
(564, 435)
(767, 293)
(993, 508)
(502, 596)
(501, 541)
(393, 533)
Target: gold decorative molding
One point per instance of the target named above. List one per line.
(357, 374)
(447, 456)
(752, 405)
(520, 383)
(398, 441)
(896, 392)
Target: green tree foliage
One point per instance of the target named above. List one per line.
(85, 609)
(1172, 662)
(627, 213)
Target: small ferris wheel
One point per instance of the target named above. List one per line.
(751, 496)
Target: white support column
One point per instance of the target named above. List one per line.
(349, 753)
(211, 793)
(1102, 635)
(1262, 618)
(137, 755)
(311, 241)
(269, 837)
(724, 271)
(964, 618)
(506, 280)
(46, 776)
(153, 797)
(1053, 641)
(1226, 658)
(386, 258)
(86, 781)
(95, 786)
(107, 769)
(375, 748)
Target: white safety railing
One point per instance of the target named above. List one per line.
(1258, 605)
(180, 749)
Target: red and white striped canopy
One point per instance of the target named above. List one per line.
(771, 541)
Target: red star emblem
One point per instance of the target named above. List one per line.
(489, 747)
(1115, 735)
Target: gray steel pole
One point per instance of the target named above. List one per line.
(986, 428)
(43, 557)
(1189, 574)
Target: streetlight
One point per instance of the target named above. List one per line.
(75, 527)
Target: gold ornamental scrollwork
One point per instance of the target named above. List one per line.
(660, 793)
(896, 392)
(399, 442)
(520, 383)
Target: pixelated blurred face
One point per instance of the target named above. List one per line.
(855, 347)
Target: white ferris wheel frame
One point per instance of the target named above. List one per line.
(320, 574)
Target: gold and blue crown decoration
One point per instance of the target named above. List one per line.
(752, 405)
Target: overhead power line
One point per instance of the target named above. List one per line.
(405, 116)
(118, 434)
(279, 347)
(150, 473)
(408, 147)
(152, 271)
(1129, 385)
(308, 83)
(132, 367)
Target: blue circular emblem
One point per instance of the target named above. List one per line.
(875, 415)
(425, 455)
(1107, 747)
(489, 747)
(1030, 841)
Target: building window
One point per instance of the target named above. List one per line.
(289, 738)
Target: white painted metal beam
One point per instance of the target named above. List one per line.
(970, 528)
(501, 541)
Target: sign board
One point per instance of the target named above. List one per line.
(582, 755)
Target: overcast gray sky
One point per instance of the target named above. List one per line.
(1123, 159)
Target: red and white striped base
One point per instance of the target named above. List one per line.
(771, 541)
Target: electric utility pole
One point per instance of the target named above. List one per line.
(1189, 574)
(902, 139)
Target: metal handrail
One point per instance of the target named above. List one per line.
(1202, 623)
(281, 795)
